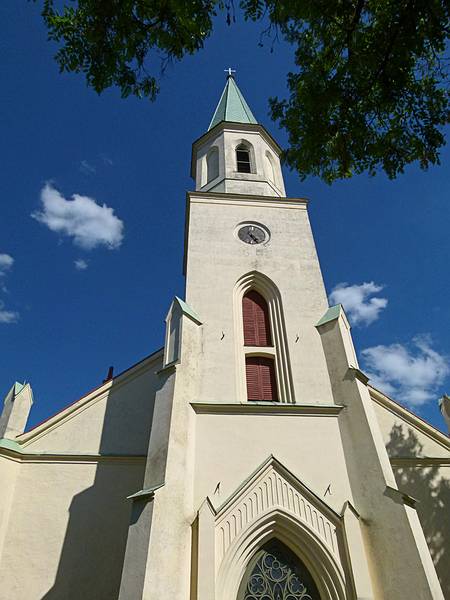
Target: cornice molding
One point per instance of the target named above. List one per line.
(228, 198)
(50, 457)
(413, 462)
(260, 408)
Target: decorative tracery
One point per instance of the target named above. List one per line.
(278, 574)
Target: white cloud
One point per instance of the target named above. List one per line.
(87, 168)
(409, 374)
(80, 264)
(358, 302)
(6, 262)
(7, 316)
(106, 160)
(89, 224)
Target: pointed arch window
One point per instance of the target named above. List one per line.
(255, 313)
(276, 573)
(259, 370)
(263, 369)
(243, 159)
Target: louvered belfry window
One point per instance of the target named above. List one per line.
(261, 383)
(256, 320)
(243, 159)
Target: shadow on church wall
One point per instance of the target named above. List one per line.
(91, 560)
(432, 490)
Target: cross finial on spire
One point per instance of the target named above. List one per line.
(230, 72)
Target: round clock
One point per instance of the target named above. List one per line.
(252, 234)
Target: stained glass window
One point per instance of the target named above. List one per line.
(276, 573)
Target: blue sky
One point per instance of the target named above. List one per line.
(63, 326)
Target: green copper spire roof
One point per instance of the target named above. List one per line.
(232, 106)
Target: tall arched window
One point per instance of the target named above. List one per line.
(255, 315)
(212, 164)
(276, 573)
(259, 370)
(260, 332)
(243, 159)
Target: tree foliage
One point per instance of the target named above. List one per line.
(370, 90)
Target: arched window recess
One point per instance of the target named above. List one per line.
(263, 367)
(212, 164)
(270, 168)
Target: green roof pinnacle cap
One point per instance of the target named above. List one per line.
(232, 106)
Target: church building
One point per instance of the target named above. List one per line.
(249, 458)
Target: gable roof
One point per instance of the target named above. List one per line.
(410, 418)
(87, 399)
(232, 106)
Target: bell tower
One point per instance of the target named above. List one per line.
(265, 448)
(244, 235)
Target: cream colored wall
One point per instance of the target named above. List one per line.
(403, 439)
(230, 447)
(289, 259)
(116, 420)
(9, 469)
(67, 516)
(426, 481)
(430, 486)
(67, 530)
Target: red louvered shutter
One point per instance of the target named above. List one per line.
(253, 378)
(248, 316)
(256, 320)
(261, 382)
(268, 383)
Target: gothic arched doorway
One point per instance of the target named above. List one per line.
(276, 573)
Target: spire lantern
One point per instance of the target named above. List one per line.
(236, 154)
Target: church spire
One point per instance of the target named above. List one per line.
(232, 106)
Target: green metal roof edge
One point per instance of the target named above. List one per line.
(145, 492)
(10, 445)
(332, 313)
(232, 106)
(187, 310)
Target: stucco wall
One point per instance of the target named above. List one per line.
(115, 419)
(289, 259)
(396, 433)
(67, 530)
(428, 481)
(430, 486)
(67, 516)
(230, 447)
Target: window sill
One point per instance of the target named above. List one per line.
(259, 350)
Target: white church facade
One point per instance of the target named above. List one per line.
(248, 459)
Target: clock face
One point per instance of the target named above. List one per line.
(252, 234)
